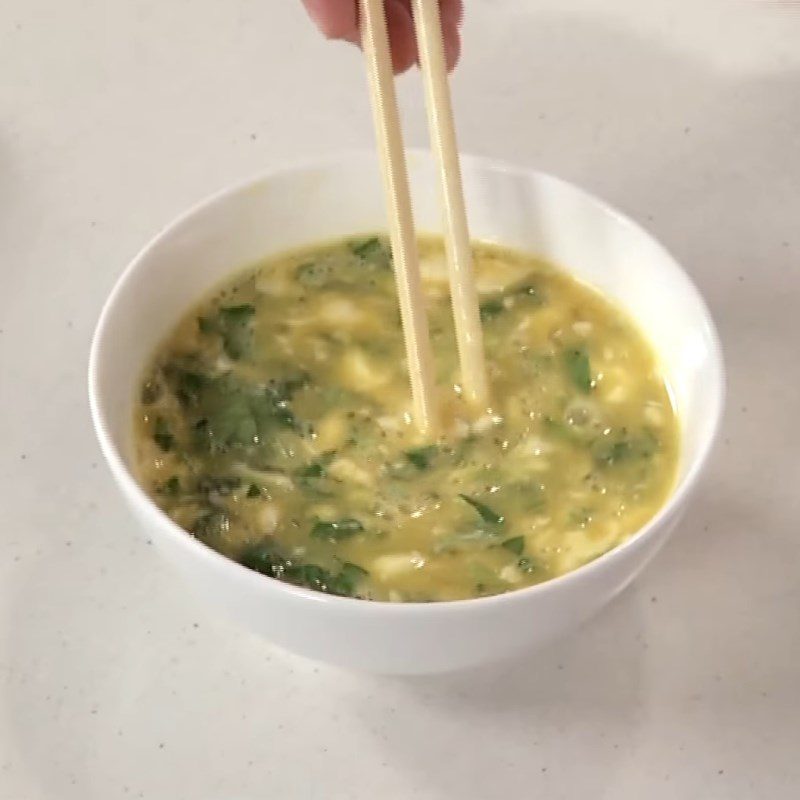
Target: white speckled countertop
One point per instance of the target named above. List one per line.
(115, 116)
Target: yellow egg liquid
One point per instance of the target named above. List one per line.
(274, 425)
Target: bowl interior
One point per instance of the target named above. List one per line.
(525, 210)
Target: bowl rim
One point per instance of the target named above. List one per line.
(133, 490)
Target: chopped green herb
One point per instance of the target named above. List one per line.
(151, 391)
(170, 487)
(187, 380)
(313, 273)
(613, 452)
(348, 578)
(314, 577)
(491, 309)
(189, 386)
(236, 314)
(236, 332)
(211, 525)
(317, 468)
(516, 545)
(313, 470)
(206, 326)
(579, 369)
(253, 491)
(162, 435)
(421, 457)
(367, 248)
(235, 415)
(266, 559)
(230, 420)
(609, 452)
(284, 390)
(337, 530)
(494, 306)
(354, 570)
(486, 513)
(309, 575)
(279, 393)
(235, 328)
(263, 558)
(284, 416)
(373, 252)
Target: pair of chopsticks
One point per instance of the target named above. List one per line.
(466, 314)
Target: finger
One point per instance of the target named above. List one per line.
(452, 45)
(451, 13)
(401, 35)
(402, 42)
(336, 19)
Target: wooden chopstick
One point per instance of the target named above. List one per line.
(375, 41)
(463, 292)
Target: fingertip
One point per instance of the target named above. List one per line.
(452, 12)
(401, 35)
(403, 60)
(452, 45)
(336, 19)
(353, 37)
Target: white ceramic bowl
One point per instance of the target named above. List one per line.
(342, 196)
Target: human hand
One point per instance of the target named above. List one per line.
(338, 19)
